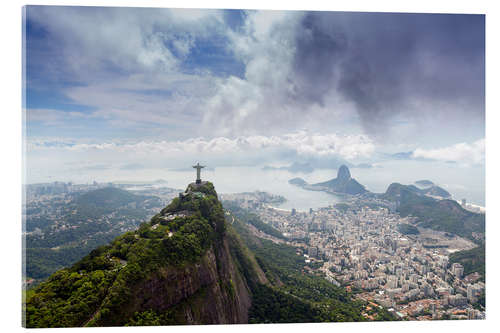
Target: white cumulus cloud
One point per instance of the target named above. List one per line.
(463, 153)
(299, 143)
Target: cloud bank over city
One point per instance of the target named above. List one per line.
(221, 151)
(349, 147)
(247, 151)
(253, 87)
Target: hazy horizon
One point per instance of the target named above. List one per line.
(457, 181)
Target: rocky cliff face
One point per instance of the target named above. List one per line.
(211, 291)
(186, 266)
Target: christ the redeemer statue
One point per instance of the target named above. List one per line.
(198, 168)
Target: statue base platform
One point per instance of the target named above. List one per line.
(195, 185)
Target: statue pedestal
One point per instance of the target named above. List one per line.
(194, 186)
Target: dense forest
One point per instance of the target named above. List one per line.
(248, 217)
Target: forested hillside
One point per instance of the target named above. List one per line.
(68, 232)
(182, 267)
(442, 215)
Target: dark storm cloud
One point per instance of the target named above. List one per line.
(385, 62)
(319, 51)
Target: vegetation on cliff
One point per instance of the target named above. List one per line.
(115, 284)
(253, 219)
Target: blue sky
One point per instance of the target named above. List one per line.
(124, 84)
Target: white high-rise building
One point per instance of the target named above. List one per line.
(457, 269)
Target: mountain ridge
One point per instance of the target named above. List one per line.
(442, 215)
(185, 266)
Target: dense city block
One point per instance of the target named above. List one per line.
(379, 255)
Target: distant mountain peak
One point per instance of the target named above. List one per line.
(343, 173)
(344, 183)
